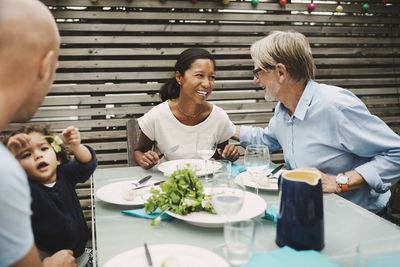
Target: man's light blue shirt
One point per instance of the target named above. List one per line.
(16, 237)
(333, 131)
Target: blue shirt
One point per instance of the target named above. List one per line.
(333, 131)
(16, 237)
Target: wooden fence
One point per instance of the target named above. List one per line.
(115, 54)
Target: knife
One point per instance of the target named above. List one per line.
(143, 186)
(275, 170)
(148, 256)
(172, 149)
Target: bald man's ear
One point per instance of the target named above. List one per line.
(46, 65)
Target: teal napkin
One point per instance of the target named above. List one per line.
(142, 214)
(236, 169)
(272, 214)
(288, 257)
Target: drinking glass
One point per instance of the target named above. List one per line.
(239, 239)
(206, 145)
(256, 161)
(222, 168)
(227, 198)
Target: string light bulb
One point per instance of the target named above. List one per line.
(311, 6)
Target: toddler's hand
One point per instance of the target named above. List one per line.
(17, 142)
(71, 138)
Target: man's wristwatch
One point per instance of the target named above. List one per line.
(343, 181)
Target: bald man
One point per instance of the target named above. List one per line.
(29, 45)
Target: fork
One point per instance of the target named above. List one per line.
(141, 181)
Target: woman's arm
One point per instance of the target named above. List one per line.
(143, 153)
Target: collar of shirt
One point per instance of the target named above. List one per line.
(304, 102)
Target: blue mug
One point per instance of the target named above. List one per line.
(301, 213)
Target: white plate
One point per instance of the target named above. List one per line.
(185, 255)
(113, 193)
(252, 207)
(198, 165)
(246, 180)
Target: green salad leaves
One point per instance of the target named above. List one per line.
(181, 193)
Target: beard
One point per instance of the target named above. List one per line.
(270, 94)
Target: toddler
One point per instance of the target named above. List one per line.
(57, 220)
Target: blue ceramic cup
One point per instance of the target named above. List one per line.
(301, 213)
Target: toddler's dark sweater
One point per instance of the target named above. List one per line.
(57, 220)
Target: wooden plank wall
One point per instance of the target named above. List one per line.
(116, 53)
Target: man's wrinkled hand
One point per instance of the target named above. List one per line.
(328, 182)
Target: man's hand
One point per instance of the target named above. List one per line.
(329, 184)
(62, 258)
(17, 142)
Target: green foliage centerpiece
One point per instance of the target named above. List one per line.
(181, 193)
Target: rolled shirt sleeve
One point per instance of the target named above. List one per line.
(369, 137)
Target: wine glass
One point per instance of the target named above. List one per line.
(206, 145)
(256, 161)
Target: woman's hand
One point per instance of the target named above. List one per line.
(148, 159)
(230, 152)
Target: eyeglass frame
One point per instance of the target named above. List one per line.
(256, 71)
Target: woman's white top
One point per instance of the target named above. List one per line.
(161, 126)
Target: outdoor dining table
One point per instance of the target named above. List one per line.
(346, 225)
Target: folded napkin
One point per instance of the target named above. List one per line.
(272, 214)
(236, 169)
(142, 214)
(288, 257)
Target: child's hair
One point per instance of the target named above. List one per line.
(171, 89)
(63, 156)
